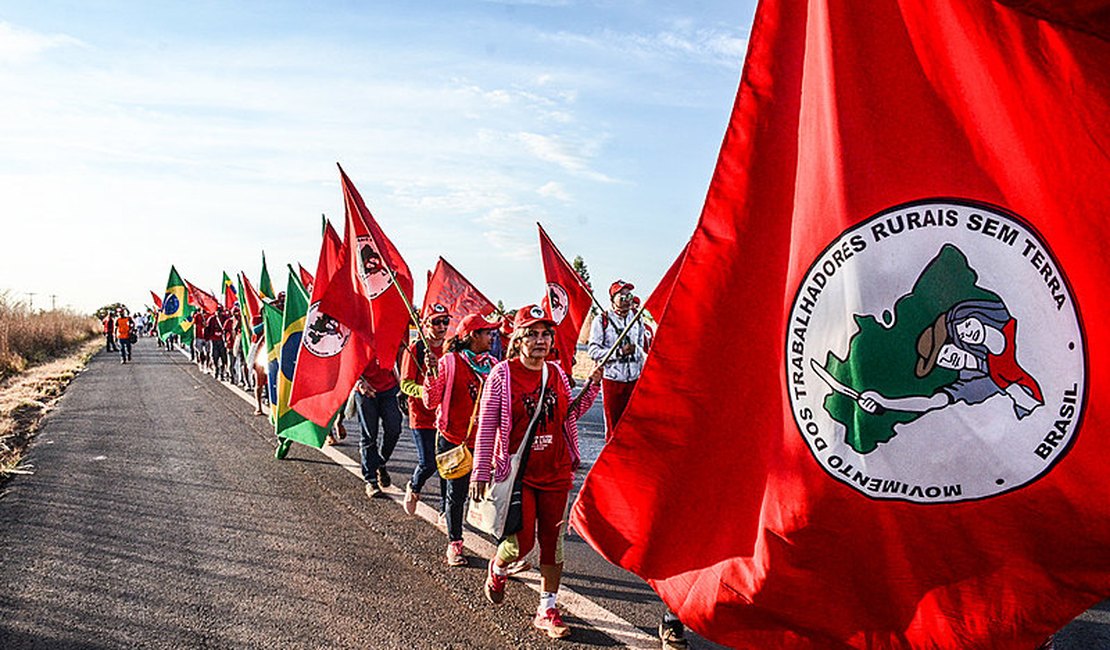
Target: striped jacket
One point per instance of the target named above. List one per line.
(491, 450)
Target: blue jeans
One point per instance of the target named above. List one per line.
(124, 350)
(457, 495)
(425, 442)
(381, 408)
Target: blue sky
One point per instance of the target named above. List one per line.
(134, 135)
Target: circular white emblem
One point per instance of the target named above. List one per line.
(537, 312)
(934, 354)
(323, 335)
(558, 300)
(371, 268)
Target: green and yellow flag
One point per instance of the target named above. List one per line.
(271, 327)
(290, 424)
(265, 287)
(175, 316)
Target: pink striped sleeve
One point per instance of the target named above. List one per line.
(433, 386)
(489, 422)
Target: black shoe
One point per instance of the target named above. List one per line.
(383, 477)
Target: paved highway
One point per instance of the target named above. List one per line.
(157, 517)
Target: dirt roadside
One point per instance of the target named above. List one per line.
(25, 398)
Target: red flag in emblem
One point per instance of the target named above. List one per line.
(567, 300)
(332, 356)
(449, 289)
(199, 298)
(895, 299)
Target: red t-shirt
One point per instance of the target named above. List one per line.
(549, 465)
(198, 326)
(380, 379)
(464, 393)
(420, 417)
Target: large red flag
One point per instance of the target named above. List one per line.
(453, 292)
(200, 298)
(331, 357)
(567, 300)
(871, 380)
(360, 295)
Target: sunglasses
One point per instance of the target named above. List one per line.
(441, 322)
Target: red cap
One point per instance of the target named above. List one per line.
(530, 315)
(473, 323)
(434, 310)
(617, 286)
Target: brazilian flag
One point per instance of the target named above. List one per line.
(176, 315)
(290, 424)
(271, 326)
(244, 322)
(265, 287)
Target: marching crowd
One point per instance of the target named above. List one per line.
(483, 411)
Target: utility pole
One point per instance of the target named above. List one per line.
(53, 298)
(31, 301)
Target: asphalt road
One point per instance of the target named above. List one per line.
(157, 517)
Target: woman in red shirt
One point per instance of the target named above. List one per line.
(454, 392)
(422, 420)
(510, 401)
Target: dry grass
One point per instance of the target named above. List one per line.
(28, 338)
(26, 397)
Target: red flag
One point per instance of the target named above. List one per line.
(447, 288)
(200, 298)
(157, 300)
(306, 278)
(360, 294)
(251, 299)
(567, 300)
(332, 356)
(897, 439)
(657, 301)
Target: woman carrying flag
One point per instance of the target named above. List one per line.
(521, 395)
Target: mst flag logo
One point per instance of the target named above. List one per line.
(371, 269)
(323, 335)
(934, 353)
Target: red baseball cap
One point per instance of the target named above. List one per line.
(474, 323)
(617, 286)
(435, 310)
(530, 315)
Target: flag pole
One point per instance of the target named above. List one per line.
(605, 359)
(577, 277)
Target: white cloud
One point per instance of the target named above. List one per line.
(554, 190)
(20, 45)
(682, 42)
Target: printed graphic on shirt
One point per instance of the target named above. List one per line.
(323, 335)
(547, 414)
(934, 353)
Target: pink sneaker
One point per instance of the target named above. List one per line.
(455, 555)
(552, 623)
(495, 585)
